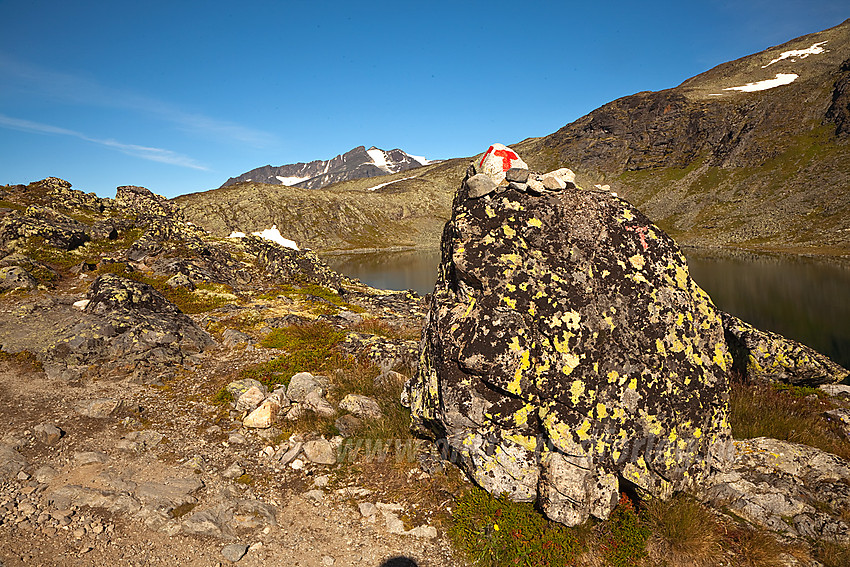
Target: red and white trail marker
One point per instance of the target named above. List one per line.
(497, 160)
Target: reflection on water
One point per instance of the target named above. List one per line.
(802, 299)
(410, 269)
(805, 300)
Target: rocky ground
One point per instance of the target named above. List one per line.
(111, 472)
(166, 396)
(119, 441)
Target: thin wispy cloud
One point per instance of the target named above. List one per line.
(144, 152)
(84, 91)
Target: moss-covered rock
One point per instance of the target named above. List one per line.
(567, 351)
(770, 356)
(129, 324)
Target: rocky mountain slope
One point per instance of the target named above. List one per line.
(354, 164)
(720, 160)
(754, 152)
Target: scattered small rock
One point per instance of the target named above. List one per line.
(180, 280)
(239, 387)
(264, 416)
(315, 402)
(232, 337)
(301, 385)
(320, 452)
(90, 457)
(233, 471)
(348, 425)
(367, 509)
(479, 185)
(361, 406)
(47, 433)
(233, 552)
(101, 408)
(250, 399)
(317, 496)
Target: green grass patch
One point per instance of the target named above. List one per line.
(183, 509)
(327, 301)
(206, 297)
(760, 409)
(496, 531)
(381, 328)
(309, 348)
(360, 378)
(319, 335)
(222, 397)
(11, 205)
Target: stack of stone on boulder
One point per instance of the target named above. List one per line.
(567, 354)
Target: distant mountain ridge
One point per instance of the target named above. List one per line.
(357, 163)
(752, 153)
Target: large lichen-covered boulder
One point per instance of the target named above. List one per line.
(770, 356)
(568, 353)
(55, 229)
(129, 324)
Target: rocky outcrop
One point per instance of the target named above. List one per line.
(289, 264)
(770, 356)
(54, 228)
(567, 351)
(786, 487)
(130, 325)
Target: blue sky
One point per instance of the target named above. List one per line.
(179, 96)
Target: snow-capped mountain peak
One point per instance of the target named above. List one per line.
(355, 164)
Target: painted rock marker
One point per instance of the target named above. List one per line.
(497, 160)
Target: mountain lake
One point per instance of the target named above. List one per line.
(803, 299)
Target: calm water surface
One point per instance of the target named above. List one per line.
(803, 299)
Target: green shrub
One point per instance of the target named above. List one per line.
(496, 531)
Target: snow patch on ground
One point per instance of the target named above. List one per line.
(795, 54)
(389, 183)
(272, 234)
(291, 180)
(379, 157)
(778, 81)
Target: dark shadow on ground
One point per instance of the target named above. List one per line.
(399, 562)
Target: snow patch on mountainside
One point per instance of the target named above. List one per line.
(272, 234)
(778, 81)
(388, 183)
(378, 157)
(420, 159)
(291, 180)
(795, 54)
